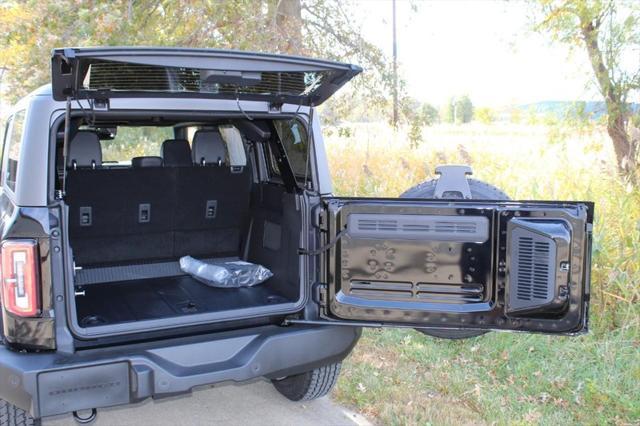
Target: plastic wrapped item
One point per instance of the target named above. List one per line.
(225, 274)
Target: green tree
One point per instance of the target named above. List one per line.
(463, 110)
(449, 111)
(321, 28)
(415, 134)
(609, 32)
(485, 115)
(430, 114)
(516, 114)
(417, 115)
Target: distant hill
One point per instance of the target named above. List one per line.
(592, 109)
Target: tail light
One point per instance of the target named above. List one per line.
(20, 277)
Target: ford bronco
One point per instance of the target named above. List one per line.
(135, 157)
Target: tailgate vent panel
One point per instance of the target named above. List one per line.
(536, 249)
(412, 226)
(420, 292)
(533, 272)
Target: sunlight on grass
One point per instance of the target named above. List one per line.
(403, 377)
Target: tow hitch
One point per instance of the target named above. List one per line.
(86, 419)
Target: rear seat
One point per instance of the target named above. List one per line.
(140, 162)
(213, 200)
(176, 153)
(116, 214)
(149, 212)
(84, 151)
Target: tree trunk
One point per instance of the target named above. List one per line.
(289, 25)
(624, 146)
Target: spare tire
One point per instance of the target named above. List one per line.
(480, 191)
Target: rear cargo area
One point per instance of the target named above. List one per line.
(164, 297)
(129, 226)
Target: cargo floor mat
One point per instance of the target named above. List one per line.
(138, 300)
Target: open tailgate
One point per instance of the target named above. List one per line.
(458, 264)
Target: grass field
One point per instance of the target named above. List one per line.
(403, 377)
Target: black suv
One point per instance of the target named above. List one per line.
(135, 157)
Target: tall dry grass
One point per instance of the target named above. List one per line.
(402, 377)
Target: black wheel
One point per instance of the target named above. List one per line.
(10, 415)
(310, 385)
(480, 191)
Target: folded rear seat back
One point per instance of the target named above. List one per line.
(213, 200)
(116, 215)
(159, 208)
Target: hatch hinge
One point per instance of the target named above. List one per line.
(101, 104)
(275, 107)
(319, 218)
(320, 294)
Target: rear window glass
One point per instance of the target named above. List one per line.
(294, 138)
(13, 148)
(117, 76)
(132, 142)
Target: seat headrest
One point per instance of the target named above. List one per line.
(176, 153)
(209, 148)
(150, 161)
(84, 151)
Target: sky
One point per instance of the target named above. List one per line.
(480, 48)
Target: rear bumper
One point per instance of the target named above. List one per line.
(47, 384)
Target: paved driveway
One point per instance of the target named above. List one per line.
(257, 403)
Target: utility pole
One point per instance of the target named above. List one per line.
(395, 68)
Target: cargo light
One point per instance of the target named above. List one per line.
(20, 277)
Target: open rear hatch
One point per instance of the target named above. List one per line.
(102, 73)
(130, 281)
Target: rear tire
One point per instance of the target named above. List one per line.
(310, 385)
(479, 191)
(10, 415)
